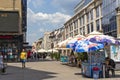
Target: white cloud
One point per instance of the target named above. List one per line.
(44, 18)
(38, 23)
(55, 18)
(47, 15)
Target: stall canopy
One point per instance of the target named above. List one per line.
(98, 37)
(87, 46)
(71, 42)
(64, 43)
(52, 50)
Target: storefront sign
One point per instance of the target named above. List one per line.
(6, 37)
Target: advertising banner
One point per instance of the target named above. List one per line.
(115, 52)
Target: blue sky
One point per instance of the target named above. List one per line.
(47, 15)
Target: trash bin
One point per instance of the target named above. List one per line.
(95, 72)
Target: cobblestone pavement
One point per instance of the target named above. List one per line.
(46, 70)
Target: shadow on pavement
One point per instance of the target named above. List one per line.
(17, 73)
(78, 73)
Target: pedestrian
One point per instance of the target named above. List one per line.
(110, 66)
(2, 67)
(23, 57)
(28, 55)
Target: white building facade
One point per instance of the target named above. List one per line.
(87, 18)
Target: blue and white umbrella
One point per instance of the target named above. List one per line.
(71, 43)
(101, 38)
(87, 46)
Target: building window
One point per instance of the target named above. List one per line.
(83, 20)
(98, 25)
(91, 15)
(92, 27)
(80, 21)
(76, 24)
(76, 32)
(97, 11)
(88, 28)
(71, 27)
(87, 17)
(71, 34)
(83, 30)
(66, 36)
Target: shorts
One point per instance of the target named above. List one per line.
(23, 60)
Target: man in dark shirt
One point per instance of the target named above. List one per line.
(111, 66)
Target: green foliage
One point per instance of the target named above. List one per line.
(55, 56)
(52, 55)
(82, 56)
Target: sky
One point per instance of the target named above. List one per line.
(47, 15)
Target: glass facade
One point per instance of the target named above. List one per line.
(24, 15)
(109, 24)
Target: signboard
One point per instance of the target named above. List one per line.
(115, 52)
(9, 21)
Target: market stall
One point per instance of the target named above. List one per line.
(64, 52)
(96, 56)
(95, 59)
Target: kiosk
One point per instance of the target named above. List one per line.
(95, 59)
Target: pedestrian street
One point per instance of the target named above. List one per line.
(46, 70)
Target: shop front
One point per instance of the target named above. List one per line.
(10, 46)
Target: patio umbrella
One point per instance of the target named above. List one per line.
(52, 50)
(98, 37)
(87, 46)
(71, 42)
(41, 50)
(64, 43)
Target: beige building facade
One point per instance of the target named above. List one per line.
(12, 5)
(87, 19)
(13, 25)
(46, 41)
